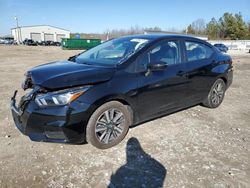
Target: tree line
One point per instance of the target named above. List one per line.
(228, 27)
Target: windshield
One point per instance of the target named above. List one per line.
(112, 52)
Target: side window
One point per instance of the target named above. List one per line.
(198, 51)
(164, 51)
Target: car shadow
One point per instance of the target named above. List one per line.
(141, 170)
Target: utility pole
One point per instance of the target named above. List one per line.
(18, 35)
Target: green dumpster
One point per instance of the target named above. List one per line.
(79, 44)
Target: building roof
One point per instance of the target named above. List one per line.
(40, 26)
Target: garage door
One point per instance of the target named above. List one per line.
(35, 36)
(48, 37)
(59, 37)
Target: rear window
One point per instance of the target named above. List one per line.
(197, 51)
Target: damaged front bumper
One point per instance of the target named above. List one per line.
(63, 124)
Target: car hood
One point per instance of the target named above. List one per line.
(63, 74)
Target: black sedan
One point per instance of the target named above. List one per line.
(97, 95)
(29, 42)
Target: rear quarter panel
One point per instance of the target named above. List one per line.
(223, 67)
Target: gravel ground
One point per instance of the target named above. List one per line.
(197, 147)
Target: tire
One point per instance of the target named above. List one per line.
(216, 94)
(105, 128)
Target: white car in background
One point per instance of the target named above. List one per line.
(2, 41)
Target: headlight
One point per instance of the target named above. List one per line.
(60, 97)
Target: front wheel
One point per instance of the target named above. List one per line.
(216, 94)
(108, 125)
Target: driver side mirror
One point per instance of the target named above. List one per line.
(157, 66)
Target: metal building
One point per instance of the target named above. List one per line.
(39, 33)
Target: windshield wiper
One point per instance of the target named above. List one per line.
(127, 56)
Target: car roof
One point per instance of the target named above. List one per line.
(160, 36)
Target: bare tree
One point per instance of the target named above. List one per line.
(199, 26)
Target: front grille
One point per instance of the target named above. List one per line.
(30, 94)
(25, 100)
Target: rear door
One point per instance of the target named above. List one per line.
(198, 59)
(164, 90)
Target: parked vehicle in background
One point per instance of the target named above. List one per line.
(29, 42)
(9, 41)
(49, 43)
(97, 95)
(221, 47)
(2, 41)
(41, 43)
(57, 44)
(52, 43)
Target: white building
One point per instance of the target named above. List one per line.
(39, 33)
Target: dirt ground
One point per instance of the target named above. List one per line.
(197, 147)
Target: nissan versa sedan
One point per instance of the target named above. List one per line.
(97, 95)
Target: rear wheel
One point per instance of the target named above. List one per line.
(108, 125)
(216, 94)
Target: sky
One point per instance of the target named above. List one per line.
(97, 16)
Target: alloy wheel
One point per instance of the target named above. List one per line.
(217, 93)
(109, 125)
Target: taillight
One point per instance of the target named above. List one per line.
(231, 63)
